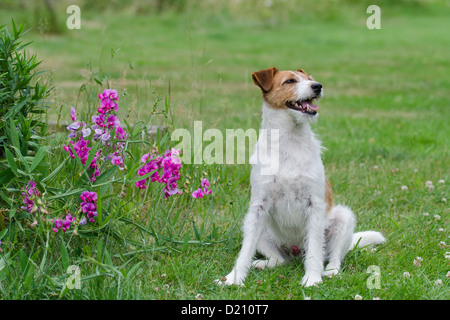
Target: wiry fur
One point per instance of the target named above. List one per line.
(289, 208)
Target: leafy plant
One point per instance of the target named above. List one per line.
(22, 96)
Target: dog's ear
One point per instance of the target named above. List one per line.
(264, 78)
(308, 75)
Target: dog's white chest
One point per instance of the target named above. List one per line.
(292, 192)
(292, 201)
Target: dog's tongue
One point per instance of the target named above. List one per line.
(313, 107)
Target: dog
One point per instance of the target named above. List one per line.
(292, 212)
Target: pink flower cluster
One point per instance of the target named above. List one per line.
(81, 149)
(89, 204)
(29, 193)
(63, 224)
(106, 127)
(170, 165)
(106, 123)
(203, 191)
(108, 98)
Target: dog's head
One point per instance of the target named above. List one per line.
(295, 92)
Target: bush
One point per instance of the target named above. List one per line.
(22, 103)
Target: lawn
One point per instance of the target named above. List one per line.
(383, 120)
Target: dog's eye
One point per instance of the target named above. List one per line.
(290, 81)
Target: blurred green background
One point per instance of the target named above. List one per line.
(200, 54)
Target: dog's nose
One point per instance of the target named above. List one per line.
(317, 87)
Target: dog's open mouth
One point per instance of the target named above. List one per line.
(304, 106)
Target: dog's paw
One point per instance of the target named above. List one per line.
(330, 273)
(222, 281)
(229, 280)
(260, 264)
(311, 280)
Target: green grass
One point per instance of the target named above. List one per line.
(386, 105)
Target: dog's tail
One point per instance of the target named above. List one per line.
(366, 238)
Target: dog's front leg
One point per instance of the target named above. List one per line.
(314, 246)
(253, 226)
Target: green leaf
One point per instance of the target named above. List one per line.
(3, 233)
(64, 255)
(40, 154)
(197, 235)
(77, 158)
(4, 260)
(23, 261)
(63, 291)
(44, 256)
(14, 135)
(138, 178)
(55, 172)
(68, 193)
(29, 277)
(91, 156)
(134, 271)
(164, 139)
(108, 260)
(185, 242)
(11, 162)
(6, 176)
(99, 206)
(105, 175)
(5, 198)
(12, 213)
(15, 109)
(99, 250)
(22, 159)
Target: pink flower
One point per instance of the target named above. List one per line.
(205, 183)
(168, 192)
(91, 215)
(120, 133)
(74, 126)
(86, 132)
(63, 224)
(99, 120)
(109, 94)
(105, 137)
(141, 184)
(112, 121)
(118, 161)
(68, 149)
(29, 194)
(175, 152)
(203, 191)
(108, 98)
(151, 166)
(145, 157)
(197, 193)
(81, 149)
(170, 165)
(73, 114)
(88, 196)
(58, 225)
(97, 132)
(89, 205)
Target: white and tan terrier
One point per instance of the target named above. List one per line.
(292, 211)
